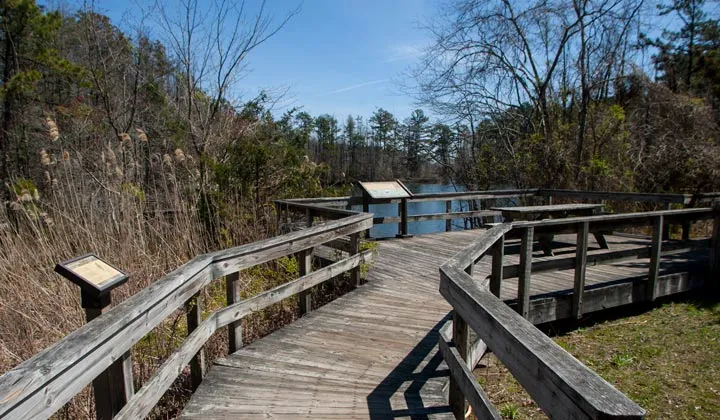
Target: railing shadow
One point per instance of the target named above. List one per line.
(380, 399)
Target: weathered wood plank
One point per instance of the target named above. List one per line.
(655, 253)
(463, 379)
(239, 310)
(617, 196)
(607, 257)
(526, 249)
(194, 311)
(561, 385)
(580, 267)
(498, 256)
(461, 341)
(235, 329)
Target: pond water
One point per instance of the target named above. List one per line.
(425, 207)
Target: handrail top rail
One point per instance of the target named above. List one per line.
(570, 376)
(29, 377)
(610, 217)
(479, 247)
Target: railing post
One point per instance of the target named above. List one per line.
(666, 228)
(194, 318)
(655, 251)
(448, 209)
(580, 266)
(403, 226)
(305, 260)
(496, 276)
(309, 216)
(232, 292)
(461, 340)
(354, 249)
(714, 278)
(526, 249)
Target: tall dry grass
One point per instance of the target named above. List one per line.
(86, 202)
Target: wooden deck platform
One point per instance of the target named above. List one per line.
(373, 353)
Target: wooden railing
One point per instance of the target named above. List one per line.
(43, 384)
(478, 203)
(561, 385)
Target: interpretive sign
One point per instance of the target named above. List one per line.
(385, 190)
(92, 274)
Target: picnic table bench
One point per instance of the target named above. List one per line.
(555, 210)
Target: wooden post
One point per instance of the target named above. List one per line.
(305, 260)
(448, 209)
(497, 266)
(461, 340)
(666, 228)
(580, 266)
(194, 318)
(354, 249)
(366, 209)
(309, 216)
(114, 387)
(526, 249)
(232, 292)
(714, 277)
(655, 250)
(403, 213)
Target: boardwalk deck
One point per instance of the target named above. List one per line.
(373, 352)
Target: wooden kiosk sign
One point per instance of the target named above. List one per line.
(386, 192)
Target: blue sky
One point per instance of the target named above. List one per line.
(342, 57)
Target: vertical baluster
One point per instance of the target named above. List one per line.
(232, 292)
(714, 278)
(194, 318)
(461, 340)
(580, 267)
(448, 209)
(655, 250)
(354, 249)
(526, 249)
(305, 261)
(497, 266)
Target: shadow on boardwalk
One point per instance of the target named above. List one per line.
(422, 364)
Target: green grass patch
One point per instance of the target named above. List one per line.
(667, 360)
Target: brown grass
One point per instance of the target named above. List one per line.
(146, 232)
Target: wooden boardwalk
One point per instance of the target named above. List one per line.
(373, 353)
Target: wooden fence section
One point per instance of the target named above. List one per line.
(41, 385)
(479, 202)
(561, 385)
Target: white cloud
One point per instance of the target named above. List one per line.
(358, 86)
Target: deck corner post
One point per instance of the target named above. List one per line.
(305, 264)
(498, 255)
(580, 266)
(526, 250)
(461, 341)
(232, 292)
(655, 254)
(194, 318)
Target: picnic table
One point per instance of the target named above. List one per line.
(554, 211)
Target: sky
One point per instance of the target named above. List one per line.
(341, 57)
